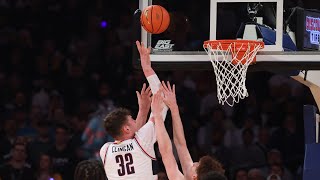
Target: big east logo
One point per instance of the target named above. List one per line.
(313, 26)
(164, 45)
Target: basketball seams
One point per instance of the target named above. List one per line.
(152, 22)
(161, 20)
(151, 19)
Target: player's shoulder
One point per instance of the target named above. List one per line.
(105, 147)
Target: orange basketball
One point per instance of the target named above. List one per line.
(155, 19)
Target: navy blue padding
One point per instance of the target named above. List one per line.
(309, 119)
(311, 169)
(269, 38)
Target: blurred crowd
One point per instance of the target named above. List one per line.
(66, 63)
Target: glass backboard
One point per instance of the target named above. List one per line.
(192, 23)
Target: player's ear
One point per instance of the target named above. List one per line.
(125, 129)
(194, 177)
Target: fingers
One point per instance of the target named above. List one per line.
(174, 88)
(164, 86)
(138, 95)
(138, 46)
(169, 86)
(143, 48)
(149, 91)
(146, 90)
(143, 88)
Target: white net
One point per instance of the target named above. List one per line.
(230, 64)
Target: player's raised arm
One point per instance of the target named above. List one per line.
(144, 101)
(153, 79)
(178, 132)
(165, 146)
(145, 59)
(149, 73)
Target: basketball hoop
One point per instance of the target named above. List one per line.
(230, 60)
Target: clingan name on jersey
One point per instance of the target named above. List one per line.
(125, 148)
(163, 45)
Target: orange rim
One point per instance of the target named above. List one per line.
(224, 44)
(239, 46)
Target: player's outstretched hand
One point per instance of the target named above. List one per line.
(144, 55)
(156, 105)
(169, 94)
(144, 98)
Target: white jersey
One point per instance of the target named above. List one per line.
(132, 158)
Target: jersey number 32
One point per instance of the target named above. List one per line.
(125, 163)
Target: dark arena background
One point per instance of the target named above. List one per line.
(65, 64)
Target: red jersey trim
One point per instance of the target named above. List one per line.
(143, 149)
(105, 156)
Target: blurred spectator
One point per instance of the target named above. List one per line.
(56, 102)
(63, 156)
(41, 100)
(274, 177)
(26, 128)
(288, 141)
(208, 98)
(233, 136)
(247, 108)
(267, 113)
(45, 171)
(42, 142)
(17, 167)
(58, 116)
(248, 154)
(79, 123)
(263, 142)
(7, 138)
(19, 101)
(59, 64)
(241, 174)
(278, 170)
(255, 174)
(217, 148)
(215, 120)
(275, 158)
(94, 135)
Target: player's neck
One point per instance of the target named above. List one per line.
(123, 138)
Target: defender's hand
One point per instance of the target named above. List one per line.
(157, 104)
(144, 98)
(169, 95)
